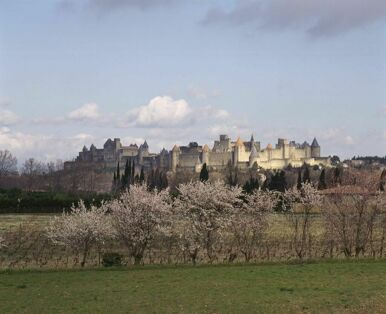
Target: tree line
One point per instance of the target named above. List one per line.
(211, 222)
(155, 178)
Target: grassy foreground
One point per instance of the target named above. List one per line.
(348, 287)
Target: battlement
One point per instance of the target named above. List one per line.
(224, 152)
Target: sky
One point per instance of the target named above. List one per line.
(73, 73)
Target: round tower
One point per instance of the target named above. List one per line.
(269, 150)
(140, 155)
(307, 149)
(175, 158)
(315, 149)
(205, 155)
(239, 146)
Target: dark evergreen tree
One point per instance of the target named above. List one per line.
(150, 180)
(299, 183)
(322, 180)
(142, 176)
(278, 182)
(337, 176)
(282, 181)
(251, 185)
(382, 181)
(230, 174)
(163, 181)
(306, 174)
(114, 182)
(132, 171)
(118, 177)
(204, 174)
(157, 177)
(126, 176)
(335, 160)
(118, 171)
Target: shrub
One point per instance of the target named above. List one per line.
(111, 259)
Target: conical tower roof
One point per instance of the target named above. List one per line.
(239, 142)
(269, 146)
(206, 149)
(315, 143)
(252, 139)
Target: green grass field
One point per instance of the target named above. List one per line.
(346, 287)
(13, 221)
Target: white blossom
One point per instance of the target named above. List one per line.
(249, 222)
(81, 229)
(205, 209)
(138, 215)
(300, 203)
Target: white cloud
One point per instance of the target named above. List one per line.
(349, 140)
(86, 112)
(8, 117)
(43, 147)
(335, 137)
(210, 112)
(165, 112)
(161, 111)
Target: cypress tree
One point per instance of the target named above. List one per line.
(278, 182)
(118, 176)
(157, 178)
(114, 181)
(132, 171)
(150, 180)
(382, 181)
(163, 181)
(142, 176)
(337, 176)
(282, 181)
(251, 185)
(125, 178)
(306, 175)
(322, 180)
(204, 174)
(299, 184)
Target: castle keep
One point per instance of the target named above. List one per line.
(225, 152)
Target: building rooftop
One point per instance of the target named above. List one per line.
(315, 143)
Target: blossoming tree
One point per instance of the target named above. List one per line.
(81, 229)
(299, 204)
(249, 221)
(205, 208)
(138, 215)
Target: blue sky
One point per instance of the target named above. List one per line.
(171, 71)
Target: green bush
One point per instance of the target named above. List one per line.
(112, 259)
(18, 201)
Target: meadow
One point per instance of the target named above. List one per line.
(13, 221)
(329, 287)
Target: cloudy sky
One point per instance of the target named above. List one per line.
(172, 71)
